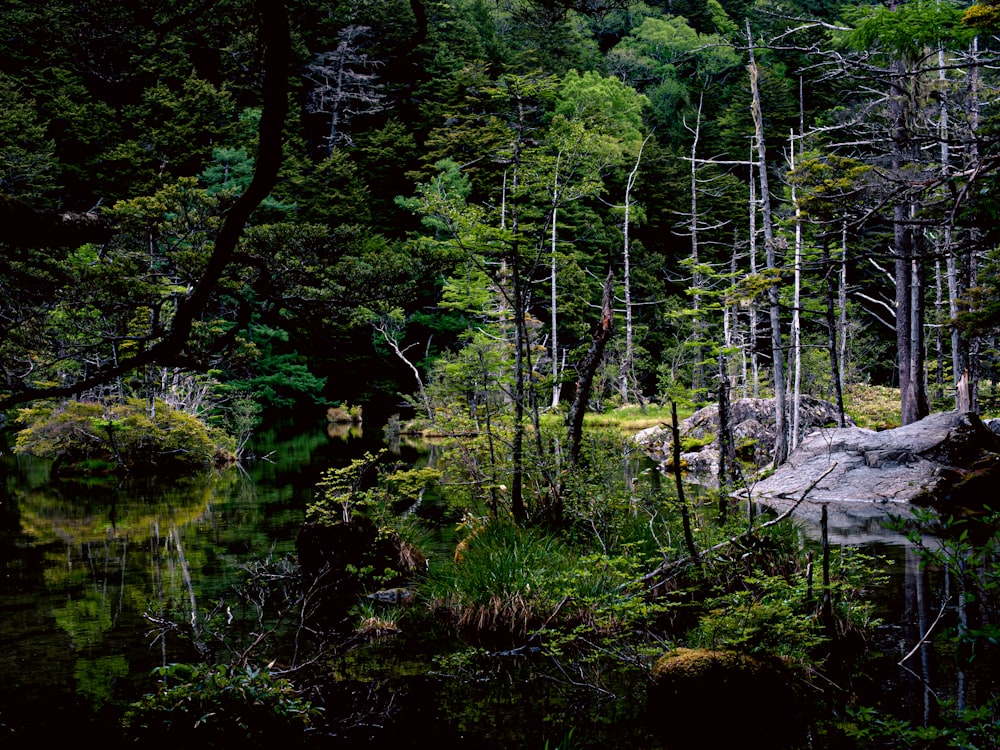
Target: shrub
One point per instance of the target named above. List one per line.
(222, 706)
(80, 435)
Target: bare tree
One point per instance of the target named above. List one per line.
(777, 354)
(345, 85)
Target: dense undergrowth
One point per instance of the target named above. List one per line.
(600, 582)
(607, 585)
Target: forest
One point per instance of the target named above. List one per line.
(494, 218)
(805, 192)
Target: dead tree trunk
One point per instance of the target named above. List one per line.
(777, 353)
(588, 368)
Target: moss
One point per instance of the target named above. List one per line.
(716, 697)
(124, 436)
(686, 667)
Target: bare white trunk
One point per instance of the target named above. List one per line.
(842, 299)
(754, 362)
(796, 313)
(697, 378)
(777, 353)
(554, 349)
(628, 360)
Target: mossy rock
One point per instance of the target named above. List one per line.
(721, 699)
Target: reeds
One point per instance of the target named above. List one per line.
(500, 584)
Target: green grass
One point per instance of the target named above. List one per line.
(873, 406)
(633, 417)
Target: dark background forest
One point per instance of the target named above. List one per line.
(802, 190)
(479, 214)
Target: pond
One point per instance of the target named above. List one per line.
(81, 563)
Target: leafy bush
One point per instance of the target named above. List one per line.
(768, 605)
(127, 435)
(221, 706)
(770, 616)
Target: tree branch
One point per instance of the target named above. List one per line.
(274, 30)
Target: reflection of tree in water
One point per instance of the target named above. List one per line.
(100, 572)
(945, 663)
(344, 431)
(81, 512)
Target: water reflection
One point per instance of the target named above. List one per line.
(81, 562)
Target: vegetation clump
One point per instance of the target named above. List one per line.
(344, 414)
(714, 697)
(495, 590)
(126, 436)
(219, 706)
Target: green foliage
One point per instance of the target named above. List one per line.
(770, 616)
(27, 157)
(230, 172)
(961, 728)
(215, 706)
(769, 604)
(129, 435)
(671, 63)
(383, 495)
(908, 29)
(177, 127)
(374, 620)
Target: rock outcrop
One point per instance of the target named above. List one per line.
(949, 461)
(752, 421)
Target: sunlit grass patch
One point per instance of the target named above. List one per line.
(876, 407)
(632, 417)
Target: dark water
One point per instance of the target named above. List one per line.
(81, 563)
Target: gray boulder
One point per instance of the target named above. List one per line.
(752, 421)
(950, 461)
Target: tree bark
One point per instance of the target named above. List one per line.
(685, 511)
(836, 366)
(796, 311)
(909, 310)
(697, 368)
(588, 368)
(628, 360)
(777, 353)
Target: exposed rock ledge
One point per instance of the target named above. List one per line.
(752, 421)
(950, 461)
